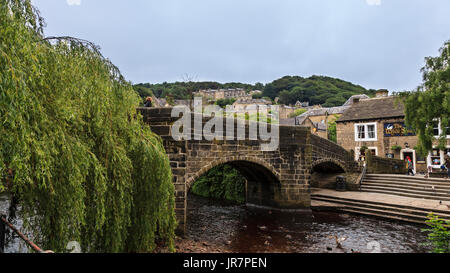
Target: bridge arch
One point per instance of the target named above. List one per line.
(324, 172)
(239, 163)
(263, 186)
(329, 165)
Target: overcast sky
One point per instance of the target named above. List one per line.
(373, 43)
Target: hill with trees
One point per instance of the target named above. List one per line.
(322, 90)
(326, 91)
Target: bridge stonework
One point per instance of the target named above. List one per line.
(279, 178)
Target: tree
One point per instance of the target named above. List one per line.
(224, 102)
(430, 102)
(332, 133)
(85, 167)
(438, 234)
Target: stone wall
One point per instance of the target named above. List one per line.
(277, 178)
(381, 165)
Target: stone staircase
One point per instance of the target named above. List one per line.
(408, 186)
(381, 209)
(396, 197)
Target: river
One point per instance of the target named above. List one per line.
(240, 229)
(215, 226)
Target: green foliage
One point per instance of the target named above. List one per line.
(223, 183)
(322, 90)
(257, 96)
(430, 102)
(143, 91)
(85, 166)
(438, 234)
(396, 148)
(297, 113)
(332, 132)
(183, 90)
(363, 149)
(224, 102)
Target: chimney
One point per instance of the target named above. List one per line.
(382, 93)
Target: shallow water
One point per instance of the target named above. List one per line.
(252, 230)
(13, 243)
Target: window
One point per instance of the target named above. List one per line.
(361, 132)
(366, 132)
(436, 128)
(436, 158)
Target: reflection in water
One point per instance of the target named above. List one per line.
(13, 243)
(250, 230)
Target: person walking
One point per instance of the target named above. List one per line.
(447, 165)
(409, 165)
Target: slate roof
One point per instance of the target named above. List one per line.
(350, 100)
(376, 108)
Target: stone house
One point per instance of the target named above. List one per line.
(379, 125)
(212, 94)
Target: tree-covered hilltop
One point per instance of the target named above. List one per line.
(322, 90)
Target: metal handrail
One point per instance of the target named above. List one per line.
(4, 222)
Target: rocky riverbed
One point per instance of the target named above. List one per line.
(216, 227)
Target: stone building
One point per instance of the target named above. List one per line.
(212, 94)
(242, 105)
(317, 118)
(379, 125)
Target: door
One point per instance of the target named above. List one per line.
(410, 155)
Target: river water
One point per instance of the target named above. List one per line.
(254, 230)
(13, 244)
(241, 229)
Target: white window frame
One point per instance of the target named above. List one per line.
(366, 126)
(441, 155)
(440, 130)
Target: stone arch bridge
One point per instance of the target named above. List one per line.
(279, 178)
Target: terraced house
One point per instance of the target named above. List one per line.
(379, 124)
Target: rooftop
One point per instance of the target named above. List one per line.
(376, 108)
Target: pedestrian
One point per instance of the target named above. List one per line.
(148, 102)
(447, 165)
(429, 170)
(409, 165)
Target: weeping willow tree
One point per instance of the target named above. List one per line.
(430, 103)
(72, 148)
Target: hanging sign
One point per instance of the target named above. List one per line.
(397, 129)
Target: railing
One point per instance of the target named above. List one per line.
(363, 175)
(3, 224)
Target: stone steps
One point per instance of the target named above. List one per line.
(379, 209)
(405, 191)
(409, 178)
(407, 186)
(424, 188)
